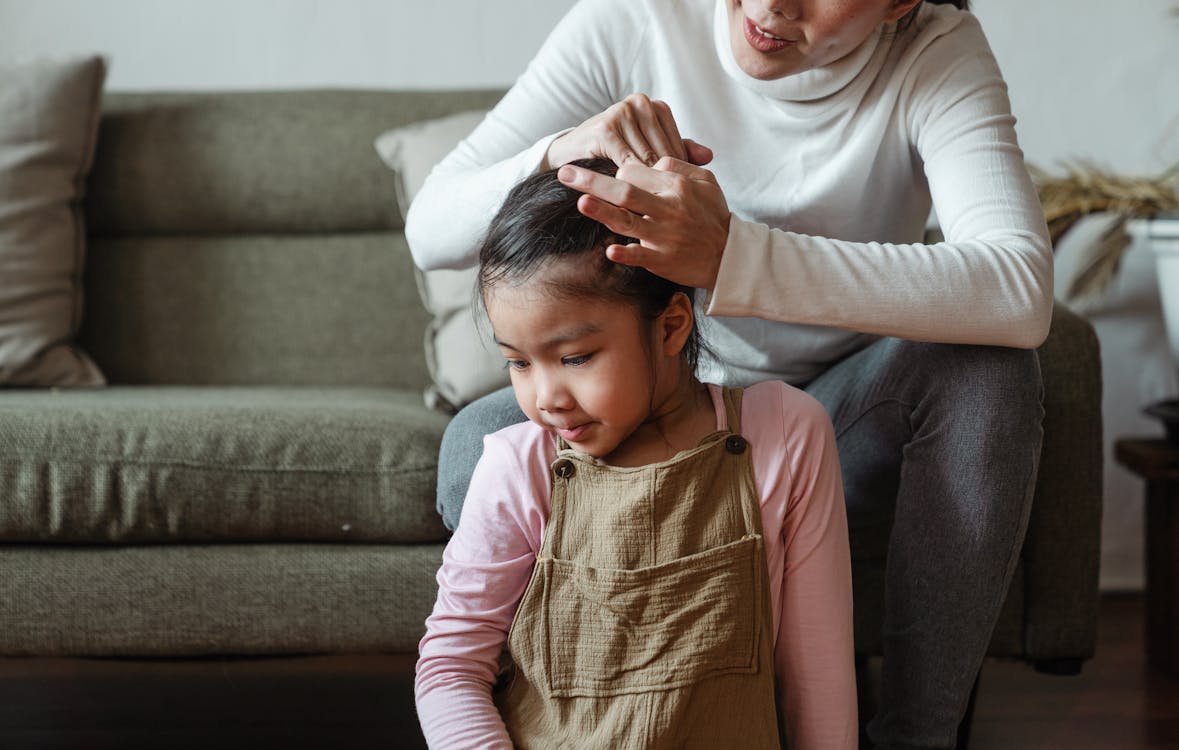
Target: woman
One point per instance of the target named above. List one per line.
(831, 127)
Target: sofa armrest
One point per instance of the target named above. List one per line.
(1062, 552)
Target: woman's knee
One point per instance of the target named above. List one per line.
(462, 445)
(992, 380)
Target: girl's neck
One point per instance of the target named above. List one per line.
(679, 420)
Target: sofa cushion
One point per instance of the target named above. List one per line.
(253, 161)
(296, 310)
(463, 363)
(49, 113)
(167, 465)
(182, 600)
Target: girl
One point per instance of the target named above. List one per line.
(833, 127)
(666, 560)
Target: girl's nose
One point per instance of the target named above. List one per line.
(552, 395)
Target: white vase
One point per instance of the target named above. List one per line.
(1163, 236)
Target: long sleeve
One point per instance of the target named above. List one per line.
(989, 282)
(485, 569)
(805, 525)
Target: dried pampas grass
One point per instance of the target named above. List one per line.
(1086, 189)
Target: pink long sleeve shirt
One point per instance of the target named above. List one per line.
(489, 561)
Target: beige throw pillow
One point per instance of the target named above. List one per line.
(49, 113)
(463, 363)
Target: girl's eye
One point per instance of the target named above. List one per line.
(580, 359)
(517, 364)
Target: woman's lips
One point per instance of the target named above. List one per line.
(762, 43)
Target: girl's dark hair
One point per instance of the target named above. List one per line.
(539, 223)
(908, 18)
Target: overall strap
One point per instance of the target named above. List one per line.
(733, 398)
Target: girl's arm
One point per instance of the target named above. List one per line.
(814, 655)
(485, 569)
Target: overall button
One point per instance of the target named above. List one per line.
(564, 468)
(735, 444)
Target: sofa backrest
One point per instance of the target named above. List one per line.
(253, 238)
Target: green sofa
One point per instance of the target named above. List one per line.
(258, 477)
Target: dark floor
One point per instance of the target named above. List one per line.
(353, 702)
(1116, 703)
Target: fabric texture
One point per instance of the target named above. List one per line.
(259, 162)
(178, 600)
(463, 364)
(647, 623)
(825, 235)
(490, 558)
(255, 309)
(157, 465)
(49, 113)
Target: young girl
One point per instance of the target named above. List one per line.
(666, 561)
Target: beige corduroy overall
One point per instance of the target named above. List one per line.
(647, 621)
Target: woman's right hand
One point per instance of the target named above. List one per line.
(637, 127)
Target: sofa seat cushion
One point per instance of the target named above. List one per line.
(184, 464)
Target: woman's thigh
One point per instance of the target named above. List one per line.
(948, 410)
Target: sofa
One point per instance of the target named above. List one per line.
(257, 476)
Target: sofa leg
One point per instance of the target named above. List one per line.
(968, 717)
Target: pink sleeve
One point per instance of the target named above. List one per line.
(485, 569)
(814, 650)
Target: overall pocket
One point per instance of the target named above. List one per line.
(611, 632)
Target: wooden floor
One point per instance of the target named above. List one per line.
(354, 702)
(1116, 703)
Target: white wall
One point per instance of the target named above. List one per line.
(1089, 79)
(244, 44)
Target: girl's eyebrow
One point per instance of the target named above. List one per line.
(561, 337)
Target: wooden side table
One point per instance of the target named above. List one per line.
(1157, 461)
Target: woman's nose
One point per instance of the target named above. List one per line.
(791, 10)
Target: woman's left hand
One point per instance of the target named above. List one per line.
(676, 210)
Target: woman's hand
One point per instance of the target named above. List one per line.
(636, 128)
(676, 210)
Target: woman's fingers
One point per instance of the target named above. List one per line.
(636, 128)
(697, 153)
(676, 211)
(636, 197)
(673, 144)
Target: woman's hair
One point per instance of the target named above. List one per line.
(539, 224)
(908, 18)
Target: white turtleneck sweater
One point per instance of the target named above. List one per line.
(829, 174)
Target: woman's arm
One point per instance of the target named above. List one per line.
(989, 282)
(814, 653)
(485, 569)
(577, 74)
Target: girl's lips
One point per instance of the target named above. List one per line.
(571, 434)
(761, 42)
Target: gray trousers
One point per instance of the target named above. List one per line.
(944, 441)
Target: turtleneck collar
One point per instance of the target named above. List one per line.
(807, 86)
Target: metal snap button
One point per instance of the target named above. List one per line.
(735, 444)
(564, 468)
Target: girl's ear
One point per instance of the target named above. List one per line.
(674, 325)
(899, 9)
